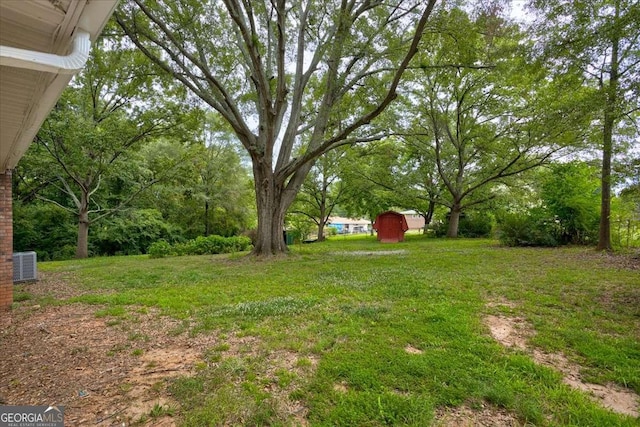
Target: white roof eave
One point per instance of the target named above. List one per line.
(92, 20)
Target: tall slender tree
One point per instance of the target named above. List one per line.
(281, 73)
(600, 41)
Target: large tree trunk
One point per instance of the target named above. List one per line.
(274, 195)
(271, 212)
(270, 238)
(82, 248)
(454, 220)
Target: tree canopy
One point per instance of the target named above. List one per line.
(482, 112)
(284, 75)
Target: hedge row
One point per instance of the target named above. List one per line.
(201, 246)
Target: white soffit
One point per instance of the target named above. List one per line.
(27, 95)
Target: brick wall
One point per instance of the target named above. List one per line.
(6, 242)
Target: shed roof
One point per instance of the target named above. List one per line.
(394, 213)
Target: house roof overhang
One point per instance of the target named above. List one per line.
(42, 44)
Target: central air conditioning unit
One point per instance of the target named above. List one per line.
(24, 267)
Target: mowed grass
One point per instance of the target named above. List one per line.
(348, 315)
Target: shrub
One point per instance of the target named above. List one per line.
(476, 224)
(530, 229)
(64, 252)
(160, 249)
(201, 246)
(132, 232)
(570, 194)
(473, 224)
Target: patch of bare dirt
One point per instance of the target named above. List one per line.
(115, 371)
(288, 361)
(622, 261)
(514, 332)
(501, 302)
(341, 387)
(612, 396)
(464, 416)
(146, 381)
(372, 253)
(629, 261)
(617, 299)
(509, 331)
(103, 372)
(412, 350)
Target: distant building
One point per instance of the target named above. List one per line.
(349, 225)
(415, 221)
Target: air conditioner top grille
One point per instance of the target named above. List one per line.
(25, 266)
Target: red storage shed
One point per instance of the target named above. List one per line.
(390, 226)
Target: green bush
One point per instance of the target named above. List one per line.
(201, 245)
(65, 252)
(571, 196)
(530, 229)
(473, 224)
(131, 232)
(477, 224)
(212, 245)
(160, 249)
(48, 229)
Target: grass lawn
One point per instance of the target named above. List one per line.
(391, 339)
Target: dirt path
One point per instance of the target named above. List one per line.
(514, 332)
